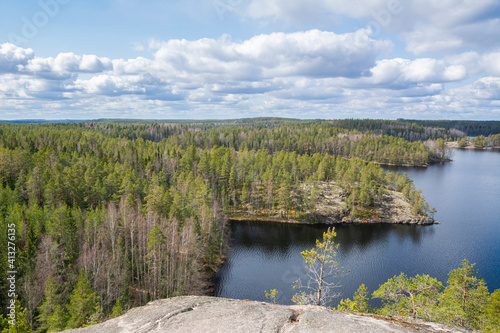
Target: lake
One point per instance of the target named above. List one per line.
(466, 194)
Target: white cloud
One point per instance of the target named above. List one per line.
(401, 73)
(12, 56)
(488, 63)
(450, 13)
(312, 53)
(426, 39)
(92, 64)
(486, 88)
(65, 64)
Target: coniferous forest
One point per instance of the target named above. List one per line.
(109, 215)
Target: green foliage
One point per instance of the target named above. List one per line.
(156, 241)
(4, 324)
(463, 142)
(409, 296)
(479, 142)
(492, 313)
(463, 302)
(320, 270)
(100, 195)
(51, 316)
(21, 323)
(469, 127)
(494, 140)
(82, 304)
(359, 302)
(117, 309)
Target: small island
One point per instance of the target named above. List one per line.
(331, 207)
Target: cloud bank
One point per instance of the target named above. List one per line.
(308, 74)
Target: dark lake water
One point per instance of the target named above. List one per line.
(466, 194)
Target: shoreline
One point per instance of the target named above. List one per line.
(425, 220)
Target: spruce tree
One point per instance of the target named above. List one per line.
(117, 310)
(156, 241)
(20, 323)
(82, 304)
(51, 316)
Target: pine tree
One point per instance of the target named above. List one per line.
(465, 297)
(57, 321)
(321, 269)
(492, 315)
(415, 296)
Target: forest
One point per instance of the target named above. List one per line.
(107, 216)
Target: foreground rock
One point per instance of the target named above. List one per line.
(211, 314)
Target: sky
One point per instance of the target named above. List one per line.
(225, 59)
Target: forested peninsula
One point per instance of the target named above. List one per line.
(120, 213)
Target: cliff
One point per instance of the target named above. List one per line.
(211, 314)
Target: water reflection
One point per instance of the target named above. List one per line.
(274, 238)
(363, 237)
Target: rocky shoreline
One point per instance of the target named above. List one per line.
(424, 220)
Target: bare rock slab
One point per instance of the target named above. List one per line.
(219, 315)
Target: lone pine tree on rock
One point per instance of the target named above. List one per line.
(322, 272)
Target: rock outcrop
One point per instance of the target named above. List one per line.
(212, 314)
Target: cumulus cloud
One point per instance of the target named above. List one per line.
(311, 53)
(12, 56)
(65, 64)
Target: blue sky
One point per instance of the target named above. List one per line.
(219, 59)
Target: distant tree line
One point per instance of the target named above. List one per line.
(469, 127)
